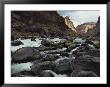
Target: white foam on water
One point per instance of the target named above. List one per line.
(80, 40)
(63, 49)
(73, 50)
(56, 40)
(71, 53)
(58, 50)
(56, 75)
(15, 68)
(37, 43)
(91, 46)
(14, 48)
(27, 43)
(61, 58)
(51, 72)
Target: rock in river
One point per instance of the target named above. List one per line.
(39, 67)
(16, 43)
(45, 42)
(49, 57)
(82, 73)
(87, 62)
(63, 65)
(26, 54)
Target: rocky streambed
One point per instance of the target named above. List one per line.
(46, 57)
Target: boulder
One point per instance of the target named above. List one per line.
(49, 57)
(63, 65)
(64, 54)
(44, 48)
(85, 49)
(46, 65)
(82, 73)
(94, 52)
(26, 54)
(16, 43)
(81, 53)
(41, 48)
(45, 42)
(87, 62)
(89, 42)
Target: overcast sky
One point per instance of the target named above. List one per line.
(80, 17)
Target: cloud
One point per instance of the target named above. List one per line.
(80, 17)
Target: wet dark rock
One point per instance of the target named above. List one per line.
(33, 38)
(41, 48)
(86, 58)
(39, 67)
(16, 43)
(49, 57)
(81, 53)
(89, 42)
(87, 62)
(82, 73)
(37, 61)
(84, 47)
(64, 54)
(26, 54)
(44, 48)
(12, 53)
(45, 42)
(63, 65)
(94, 52)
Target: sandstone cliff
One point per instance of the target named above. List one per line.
(96, 31)
(70, 24)
(84, 28)
(39, 23)
(89, 30)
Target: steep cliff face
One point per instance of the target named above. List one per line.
(96, 31)
(84, 28)
(70, 24)
(89, 30)
(39, 23)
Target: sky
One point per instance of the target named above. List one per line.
(80, 17)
